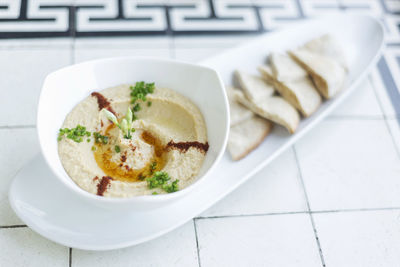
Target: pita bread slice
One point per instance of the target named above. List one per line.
(238, 112)
(273, 108)
(328, 75)
(246, 136)
(293, 83)
(254, 87)
(326, 45)
(285, 68)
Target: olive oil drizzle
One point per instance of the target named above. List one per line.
(118, 170)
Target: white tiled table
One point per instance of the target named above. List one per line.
(340, 183)
(332, 199)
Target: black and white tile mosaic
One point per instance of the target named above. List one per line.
(80, 18)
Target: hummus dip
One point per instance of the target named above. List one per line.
(169, 138)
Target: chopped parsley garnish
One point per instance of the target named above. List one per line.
(93, 148)
(98, 138)
(140, 90)
(160, 180)
(136, 108)
(153, 166)
(117, 149)
(172, 187)
(76, 134)
(154, 193)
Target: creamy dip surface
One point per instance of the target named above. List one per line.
(168, 137)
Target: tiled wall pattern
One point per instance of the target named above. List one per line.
(78, 18)
(333, 199)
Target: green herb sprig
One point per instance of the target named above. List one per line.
(99, 138)
(76, 134)
(140, 90)
(172, 187)
(126, 123)
(153, 166)
(160, 180)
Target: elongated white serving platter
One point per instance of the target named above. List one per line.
(52, 211)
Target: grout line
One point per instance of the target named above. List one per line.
(259, 215)
(255, 215)
(295, 212)
(251, 215)
(13, 226)
(309, 208)
(18, 127)
(354, 210)
(70, 257)
(73, 22)
(171, 48)
(72, 59)
(197, 242)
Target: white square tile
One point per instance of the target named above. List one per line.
(23, 247)
(350, 164)
(23, 72)
(275, 240)
(195, 55)
(83, 54)
(17, 147)
(177, 248)
(362, 102)
(360, 239)
(276, 188)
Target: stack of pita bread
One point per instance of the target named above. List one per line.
(292, 85)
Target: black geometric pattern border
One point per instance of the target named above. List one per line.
(86, 18)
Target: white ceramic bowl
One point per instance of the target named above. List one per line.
(65, 88)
